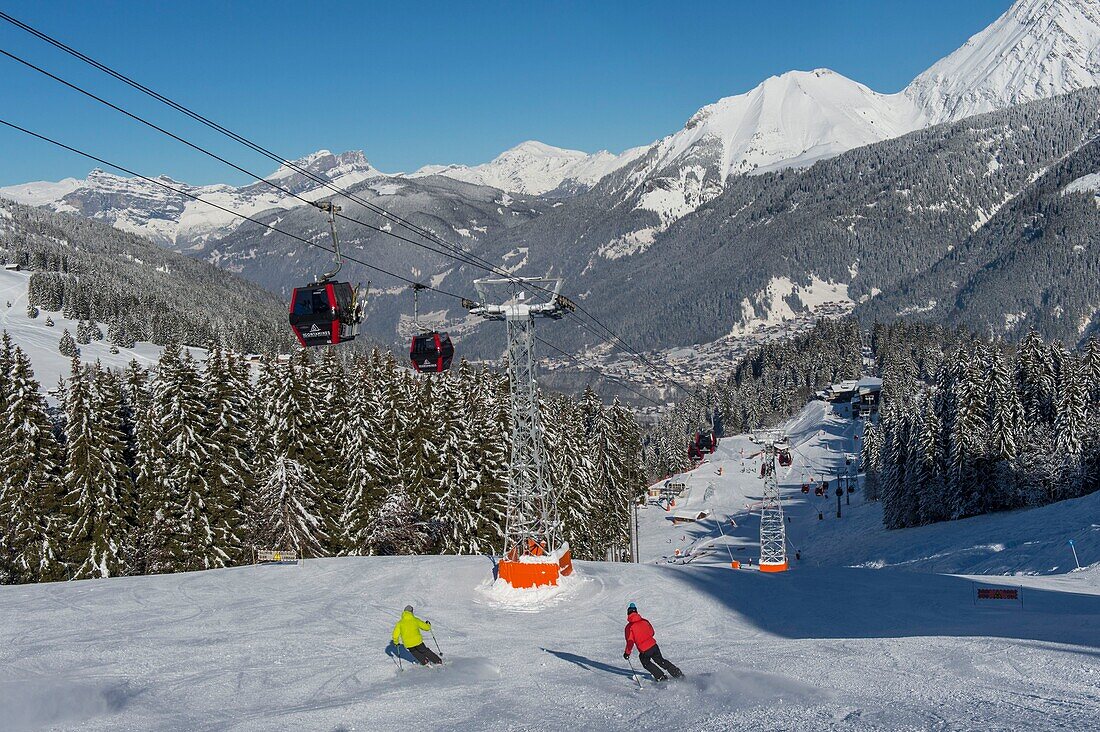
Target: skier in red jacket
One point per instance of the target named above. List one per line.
(639, 633)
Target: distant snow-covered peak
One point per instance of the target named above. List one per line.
(172, 217)
(324, 162)
(533, 168)
(1036, 50)
(791, 119)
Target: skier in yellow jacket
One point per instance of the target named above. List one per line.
(407, 633)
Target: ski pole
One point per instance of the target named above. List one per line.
(436, 645)
(400, 666)
(393, 657)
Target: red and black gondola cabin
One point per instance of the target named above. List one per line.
(432, 352)
(323, 313)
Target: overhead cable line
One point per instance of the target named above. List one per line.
(461, 254)
(193, 197)
(291, 235)
(214, 155)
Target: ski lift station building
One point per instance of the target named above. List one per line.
(855, 399)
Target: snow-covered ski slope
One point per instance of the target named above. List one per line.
(824, 647)
(727, 485)
(303, 648)
(40, 341)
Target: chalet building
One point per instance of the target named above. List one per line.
(855, 399)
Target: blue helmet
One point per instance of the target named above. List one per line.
(631, 608)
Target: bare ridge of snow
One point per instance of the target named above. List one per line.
(535, 168)
(1037, 49)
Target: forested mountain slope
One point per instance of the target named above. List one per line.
(1035, 264)
(867, 220)
(89, 270)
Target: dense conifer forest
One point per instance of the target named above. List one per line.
(983, 426)
(194, 465)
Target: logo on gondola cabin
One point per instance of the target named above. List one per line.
(315, 332)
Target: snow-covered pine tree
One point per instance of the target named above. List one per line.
(1071, 397)
(927, 447)
(421, 465)
(30, 483)
(7, 362)
(1006, 412)
(1070, 423)
(261, 414)
(622, 451)
(895, 488)
(330, 404)
(371, 461)
(228, 476)
(184, 420)
(1091, 366)
(870, 463)
(83, 332)
(1006, 422)
(290, 503)
(67, 346)
(451, 503)
(573, 474)
(298, 450)
(491, 423)
(152, 543)
(394, 527)
(967, 474)
(1035, 379)
(94, 477)
(119, 335)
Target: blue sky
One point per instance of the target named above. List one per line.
(411, 83)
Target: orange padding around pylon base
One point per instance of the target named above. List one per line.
(774, 567)
(565, 563)
(523, 575)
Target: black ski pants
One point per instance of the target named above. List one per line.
(424, 655)
(654, 662)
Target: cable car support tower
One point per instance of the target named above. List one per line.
(773, 530)
(535, 551)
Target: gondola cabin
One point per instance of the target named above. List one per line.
(432, 352)
(706, 442)
(324, 313)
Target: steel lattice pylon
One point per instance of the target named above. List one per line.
(773, 530)
(532, 524)
(532, 506)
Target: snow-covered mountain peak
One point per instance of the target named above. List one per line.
(789, 120)
(793, 119)
(533, 168)
(1035, 50)
(351, 166)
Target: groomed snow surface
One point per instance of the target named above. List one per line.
(824, 647)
